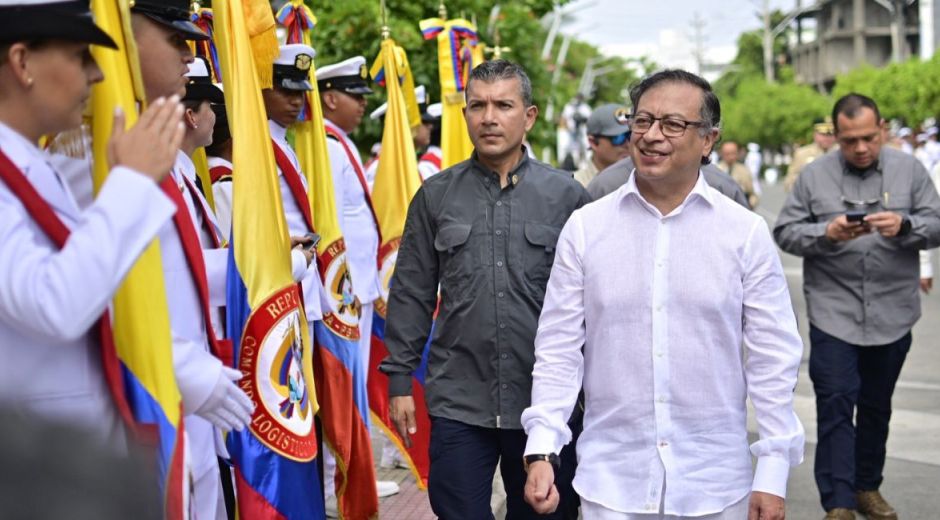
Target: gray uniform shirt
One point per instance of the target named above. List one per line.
(491, 250)
(862, 291)
(616, 175)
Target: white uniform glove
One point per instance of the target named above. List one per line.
(228, 407)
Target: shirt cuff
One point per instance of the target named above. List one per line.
(771, 476)
(399, 385)
(542, 440)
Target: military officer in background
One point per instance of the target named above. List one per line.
(343, 87)
(823, 140)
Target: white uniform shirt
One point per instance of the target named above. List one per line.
(313, 292)
(429, 168)
(355, 219)
(222, 195)
(662, 306)
(51, 299)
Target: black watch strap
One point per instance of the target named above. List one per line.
(551, 458)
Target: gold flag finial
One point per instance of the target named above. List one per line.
(386, 31)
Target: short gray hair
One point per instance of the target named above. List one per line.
(495, 70)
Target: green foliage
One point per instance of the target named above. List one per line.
(908, 91)
(771, 114)
(353, 27)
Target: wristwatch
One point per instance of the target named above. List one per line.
(551, 458)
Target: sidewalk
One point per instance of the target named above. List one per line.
(411, 503)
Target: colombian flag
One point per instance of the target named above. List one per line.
(275, 467)
(458, 51)
(339, 378)
(396, 182)
(141, 375)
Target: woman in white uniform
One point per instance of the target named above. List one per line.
(60, 265)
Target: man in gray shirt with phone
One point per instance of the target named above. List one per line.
(858, 216)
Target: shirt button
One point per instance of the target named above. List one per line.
(659, 308)
(499, 203)
(650, 507)
(500, 294)
(663, 444)
(659, 353)
(499, 263)
(505, 386)
(502, 326)
(504, 356)
(661, 399)
(499, 232)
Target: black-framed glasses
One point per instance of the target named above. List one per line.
(670, 126)
(618, 139)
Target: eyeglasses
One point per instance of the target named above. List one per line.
(618, 139)
(669, 125)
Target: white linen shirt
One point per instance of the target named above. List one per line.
(222, 195)
(355, 218)
(662, 306)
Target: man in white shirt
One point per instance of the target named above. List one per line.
(659, 348)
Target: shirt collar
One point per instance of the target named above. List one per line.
(278, 132)
(18, 148)
(185, 165)
(852, 170)
(516, 174)
(699, 191)
(336, 128)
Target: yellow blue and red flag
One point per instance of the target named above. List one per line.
(458, 51)
(341, 382)
(275, 467)
(141, 372)
(396, 181)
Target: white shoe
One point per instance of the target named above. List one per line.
(332, 511)
(386, 488)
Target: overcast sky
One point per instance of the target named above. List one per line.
(663, 30)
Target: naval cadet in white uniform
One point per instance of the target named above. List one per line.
(54, 294)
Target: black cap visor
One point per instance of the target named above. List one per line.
(294, 84)
(204, 92)
(22, 23)
(187, 29)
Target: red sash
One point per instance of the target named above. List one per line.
(206, 217)
(218, 173)
(221, 348)
(292, 177)
(55, 229)
(362, 177)
(433, 159)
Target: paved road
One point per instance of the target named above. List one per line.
(912, 473)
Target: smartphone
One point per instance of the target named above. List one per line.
(314, 240)
(855, 215)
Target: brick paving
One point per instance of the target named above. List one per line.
(412, 503)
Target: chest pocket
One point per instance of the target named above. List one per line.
(540, 251)
(456, 260)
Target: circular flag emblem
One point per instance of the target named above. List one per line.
(343, 316)
(272, 358)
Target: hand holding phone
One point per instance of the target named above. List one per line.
(855, 215)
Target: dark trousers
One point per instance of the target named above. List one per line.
(852, 380)
(463, 461)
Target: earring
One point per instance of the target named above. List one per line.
(195, 126)
(29, 82)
